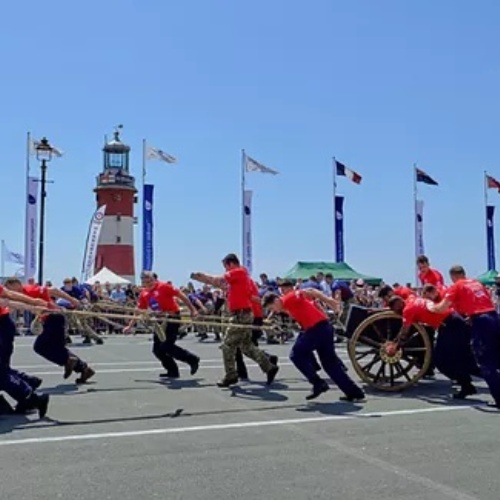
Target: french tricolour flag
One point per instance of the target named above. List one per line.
(343, 171)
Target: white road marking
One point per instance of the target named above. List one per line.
(225, 427)
(144, 369)
(126, 363)
(397, 470)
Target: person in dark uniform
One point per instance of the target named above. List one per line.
(160, 296)
(51, 344)
(19, 386)
(452, 353)
(471, 299)
(316, 335)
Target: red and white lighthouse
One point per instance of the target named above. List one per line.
(116, 189)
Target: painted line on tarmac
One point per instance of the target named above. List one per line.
(226, 427)
(128, 363)
(146, 369)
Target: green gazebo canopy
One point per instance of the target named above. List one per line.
(340, 271)
(488, 278)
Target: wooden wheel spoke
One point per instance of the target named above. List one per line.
(370, 342)
(403, 371)
(381, 371)
(367, 343)
(378, 332)
(362, 355)
(391, 374)
(372, 363)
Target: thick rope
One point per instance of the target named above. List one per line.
(147, 318)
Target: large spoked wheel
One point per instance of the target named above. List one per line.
(383, 364)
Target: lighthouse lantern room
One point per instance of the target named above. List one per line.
(116, 189)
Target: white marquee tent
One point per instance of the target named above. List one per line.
(107, 276)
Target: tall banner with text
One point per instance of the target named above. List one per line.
(147, 228)
(30, 230)
(339, 229)
(92, 241)
(490, 237)
(419, 228)
(247, 230)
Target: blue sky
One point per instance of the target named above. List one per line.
(380, 85)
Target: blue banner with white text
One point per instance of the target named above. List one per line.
(490, 237)
(147, 228)
(339, 229)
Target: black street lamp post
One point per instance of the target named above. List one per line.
(44, 155)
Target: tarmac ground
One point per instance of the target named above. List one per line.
(129, 435)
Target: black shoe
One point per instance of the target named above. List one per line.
(465, 390)
(99, 341)
(87, 340)
(354, 398)
(42, 405)
(227, 382)
(35, 383)
(317, 391)
(86, 374)
(203, 336)
(273, 359)
(38, 402)
(5, 408)
(169, 375)
(195, 365)
(271, 374)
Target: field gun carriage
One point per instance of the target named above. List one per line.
(377, 359)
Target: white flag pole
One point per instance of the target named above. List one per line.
(143, 225)
(3, 259)
(243, 187)
(415, 222)
(334, 186)
(26, 205)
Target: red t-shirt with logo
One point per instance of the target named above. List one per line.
(469, 297)
(416, 310)
(257, 310)
(431, 277)
(404, 292)
(159, 298)
(3, 310)
(37, 292)
(239, 291)
(302, 309)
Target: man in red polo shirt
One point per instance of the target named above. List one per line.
(317, 335)
(160, 296)
(51, 343)
(452, 354)
(19, 386)
(239, 301)
(472, 300)
(427, 275)
(258, 322)
(387, 291)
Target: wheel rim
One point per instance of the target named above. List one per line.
(380, 362)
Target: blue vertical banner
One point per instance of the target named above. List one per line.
(490, 237)
(339, 229)
(147, 227)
